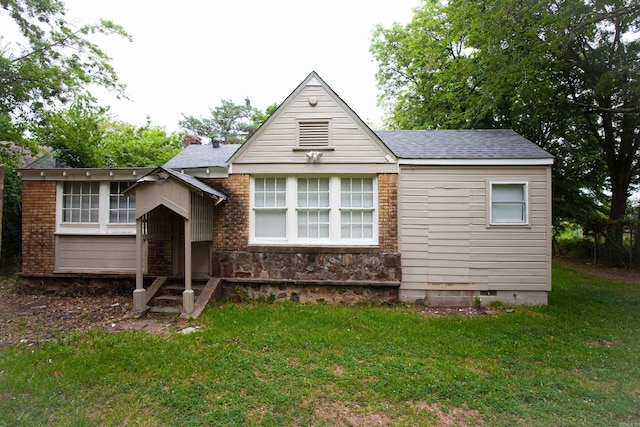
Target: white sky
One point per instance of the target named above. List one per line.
(188, 55)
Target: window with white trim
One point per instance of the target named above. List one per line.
(95, 207)
(356, 208)
(314, 210)
(80, 202)
(270, 209)
(122, 209)
(508, 203)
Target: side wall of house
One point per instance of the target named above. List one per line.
(38, 226)
(450, 252)
(233, 257)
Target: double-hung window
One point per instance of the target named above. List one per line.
(270, 210)
(314, 210)
(357, 208)
(508, 203)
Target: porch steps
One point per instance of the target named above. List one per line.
(165, 295)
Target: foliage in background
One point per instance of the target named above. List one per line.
(53, 63)
(84, 135)
(230, 122)
(572, 363)
(565, 75)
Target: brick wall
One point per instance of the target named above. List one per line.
(233, 258)
(231, 217)
(160, 257)
(388, 212)
(38, 226)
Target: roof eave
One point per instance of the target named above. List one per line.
(477, 162)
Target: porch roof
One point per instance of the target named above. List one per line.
(189, 181)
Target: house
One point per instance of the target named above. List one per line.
(315, 206)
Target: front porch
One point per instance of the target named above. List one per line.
(175, 222)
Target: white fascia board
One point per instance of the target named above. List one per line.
(476, 162)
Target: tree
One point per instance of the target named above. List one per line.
(74, 134)
(125, 145)
(563, 74)
(84, 135)
(52, 63)
(233, 123)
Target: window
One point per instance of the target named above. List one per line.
(80, 202)
(314, 210)
(270, 207)
(313, 133)
(95, 207)
(508, 203)
(122, 209)
(356, 208)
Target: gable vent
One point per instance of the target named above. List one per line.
(313, 133)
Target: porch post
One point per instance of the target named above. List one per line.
(139, 295)
(188, 299)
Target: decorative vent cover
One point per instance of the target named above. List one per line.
(313, 133)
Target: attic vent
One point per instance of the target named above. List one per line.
(314, 133)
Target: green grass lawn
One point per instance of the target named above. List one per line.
(574, 362)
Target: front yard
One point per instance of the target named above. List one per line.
(574, 362)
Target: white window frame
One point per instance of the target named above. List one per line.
(102, 226)
(292, 209)
(526, 201)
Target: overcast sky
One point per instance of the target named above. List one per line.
(189, 54)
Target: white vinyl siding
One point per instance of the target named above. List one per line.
(447, 240)
(508, 203)
(314, 210)
(349, 143)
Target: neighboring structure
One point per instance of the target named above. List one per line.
(314, 206)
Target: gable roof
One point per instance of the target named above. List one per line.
(473, 144)
(313, 79)
(188, 180)
(202, 156)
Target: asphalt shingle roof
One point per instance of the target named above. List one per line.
(201, 156)
(461, 144)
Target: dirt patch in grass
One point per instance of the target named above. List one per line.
(33, 319)
(621, 275)
(451, 416)
(339, 414)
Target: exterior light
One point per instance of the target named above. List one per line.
(314, 156)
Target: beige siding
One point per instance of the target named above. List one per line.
(277, 144)
(445, 238)
(95, 254)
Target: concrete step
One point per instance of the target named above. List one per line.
(168, 309)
